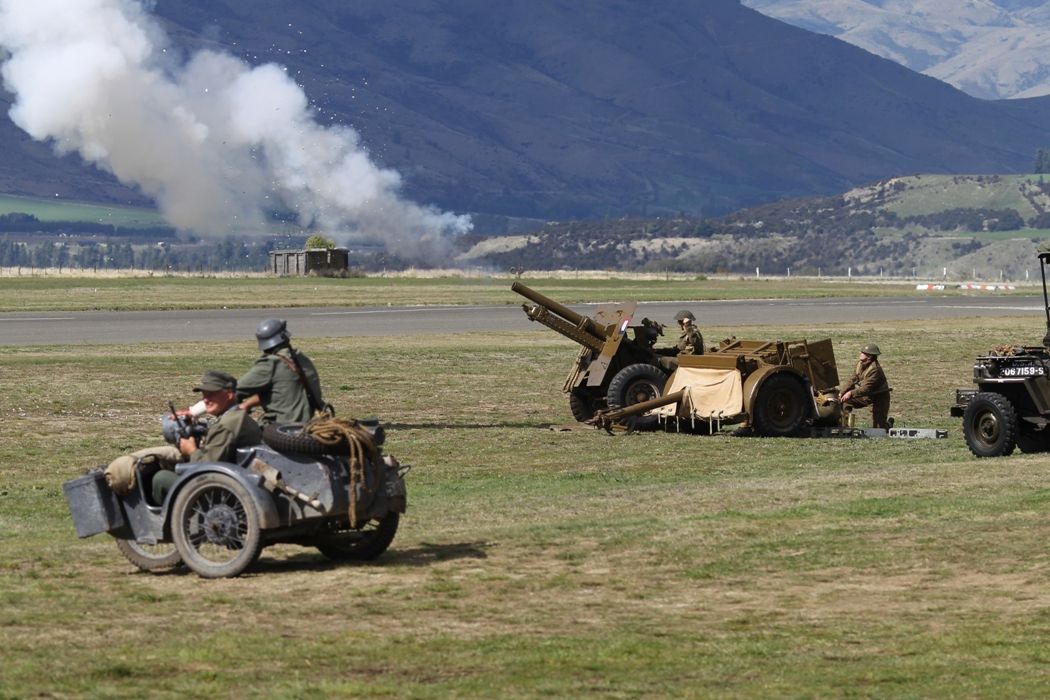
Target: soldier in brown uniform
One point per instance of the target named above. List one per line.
(868, 387)
(690, 341)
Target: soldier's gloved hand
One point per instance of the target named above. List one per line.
(187, 445)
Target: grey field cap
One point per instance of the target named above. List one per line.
(214, 380)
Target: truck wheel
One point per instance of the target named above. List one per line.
(215, 526)
(780, 409)
(634, 384)
(361, 545)
(150, 557)
(990, 425)
(581, 403)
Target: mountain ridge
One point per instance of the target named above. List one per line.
(562, 110)
(991, 49)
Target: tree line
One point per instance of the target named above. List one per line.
(235, 254)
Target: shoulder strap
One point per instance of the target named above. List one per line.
(293, 364)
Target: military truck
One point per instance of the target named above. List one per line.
(613, 368)
(775, 388)
(1010, 406)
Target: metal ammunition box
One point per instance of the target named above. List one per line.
(93, 505)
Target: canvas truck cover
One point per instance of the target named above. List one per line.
(709, 393)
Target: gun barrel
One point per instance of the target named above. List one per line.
(579, 321)
(607, 419)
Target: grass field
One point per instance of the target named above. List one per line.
(929, 194)
(534, 563)
(84, 293)
(60, 210)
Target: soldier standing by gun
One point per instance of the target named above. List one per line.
(690, 341)
(283, 380)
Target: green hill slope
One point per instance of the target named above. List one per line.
(960, 226)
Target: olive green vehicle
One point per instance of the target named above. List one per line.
(1010, 406)
(777, 388)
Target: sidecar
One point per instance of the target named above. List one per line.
(218, 516)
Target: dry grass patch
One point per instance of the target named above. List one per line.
(535, 563)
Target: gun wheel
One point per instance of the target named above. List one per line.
(635, 384)
(780, 407)
(582, 404)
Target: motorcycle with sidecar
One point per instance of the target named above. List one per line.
(344, 499)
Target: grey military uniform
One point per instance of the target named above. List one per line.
(284, 399)
(233, 429)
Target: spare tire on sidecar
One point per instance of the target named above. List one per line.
(322, 437)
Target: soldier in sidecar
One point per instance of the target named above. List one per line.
(324, 484)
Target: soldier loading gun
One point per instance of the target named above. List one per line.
(690, 341)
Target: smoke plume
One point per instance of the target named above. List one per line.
(215, 141)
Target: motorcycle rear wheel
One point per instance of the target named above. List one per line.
(361, 545)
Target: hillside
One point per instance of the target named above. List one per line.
(992, 49)
(983, 226)
(581, 110)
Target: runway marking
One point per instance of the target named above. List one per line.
(414, 309)
(990, 308)
(55, 318)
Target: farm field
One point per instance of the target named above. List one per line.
(534, 563)
(60, 210)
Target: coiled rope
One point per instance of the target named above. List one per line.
(360, 446)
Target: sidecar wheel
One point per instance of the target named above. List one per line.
(216, 527)
(150, 557)
(361, 545)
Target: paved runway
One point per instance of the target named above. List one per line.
(236, 324)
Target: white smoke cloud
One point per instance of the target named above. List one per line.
(215, 141)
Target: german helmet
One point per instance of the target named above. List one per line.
(271, 333)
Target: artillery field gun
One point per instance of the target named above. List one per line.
(776, 387)
(611, 369)
(1010, 408)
